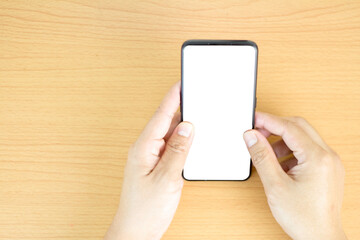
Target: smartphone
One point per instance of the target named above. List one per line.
(218, 96)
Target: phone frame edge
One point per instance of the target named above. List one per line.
(220, 42)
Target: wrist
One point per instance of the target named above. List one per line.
(325, 234)
(135, 236)
(338, 235)
(119, 234)
(120, 230)
(320, 231)
(336, 232)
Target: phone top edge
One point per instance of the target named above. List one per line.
(219, 42)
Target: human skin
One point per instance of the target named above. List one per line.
(304, 192)
(152, 178)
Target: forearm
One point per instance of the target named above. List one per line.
(129, 228)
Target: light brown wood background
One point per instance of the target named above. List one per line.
(80, 79)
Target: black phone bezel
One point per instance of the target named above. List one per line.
(220, 42)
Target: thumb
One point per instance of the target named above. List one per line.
(176, 150)
(263, 158)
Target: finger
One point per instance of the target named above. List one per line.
(289, 164)
(160, 123)
(280, 149)
(310, 131)
(264, 159)
(297, 140)
(176, 150)
(145, 155)
(175, 121)
(264, 132)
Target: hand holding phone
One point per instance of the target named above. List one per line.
(152, 183)
(305, 191)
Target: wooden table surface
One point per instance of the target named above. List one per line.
(80, 79)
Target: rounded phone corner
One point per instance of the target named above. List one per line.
(183, 176)
(247, 178)
(250, 171)
(186, 43)
(253, 44)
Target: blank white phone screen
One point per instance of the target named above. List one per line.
(218, 99)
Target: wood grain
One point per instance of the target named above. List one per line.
(80, 79)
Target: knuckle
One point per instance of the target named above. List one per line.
(288, 123)
(299, 120)
(176, 146)
(272, 198)
(336, 156)
(330, 163)
(259, 156)
(170, 179)
(326, 162)
(326, 158)
(292, 124)
(340, 165)
(275, 192)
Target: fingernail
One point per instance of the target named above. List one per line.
(250, 138)
(184, 129)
